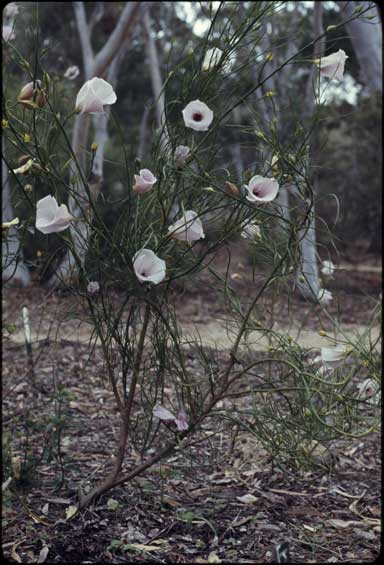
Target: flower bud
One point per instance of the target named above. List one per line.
(232, 188)
(32, 95)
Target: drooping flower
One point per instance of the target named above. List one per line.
(197, 116)
(144, 181)
(50, 217)
(164, 414)
(32, 93)
(250, 230)
(148, 266)
(262, 189)
(324, 296)
(94, 95)
(188, 228)
(368, 390)
(8, 32)
(332, 66)
(93, 288)
(72, 72)
(328, 268)
(212, 60)
(181, 155)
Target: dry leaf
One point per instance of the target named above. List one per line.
(141, 547)
(338, 524)
(70, 512)
(247, 498)
(43, 554)
(213, 558)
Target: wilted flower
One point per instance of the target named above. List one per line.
(332, 66)
(164, 414)
(32, 93)
(262, 189)
(368, 389)
(197, 116)
(231, 188)
(188, 228)
(144, 181)
(181, 155)
(8, 32)
(212, 60)
(324, 296)
(24, 168)
(328, 268)
(50, 217)
(94, 95)
(250, 230)
(148, 266)
(72, 72)
(93, 287)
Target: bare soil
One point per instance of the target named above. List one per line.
(186, 510)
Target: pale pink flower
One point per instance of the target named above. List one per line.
(181, 155)
(11, 10)
(94, 95)
(50, 217)
(148, 266)
(188, 228)
(332, 66)
(368, 390)
(32, 91)
(262, 189)
(93, 287)
(144, 181)
(197, 116)
(163, 414)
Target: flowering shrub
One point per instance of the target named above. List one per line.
(169, 223)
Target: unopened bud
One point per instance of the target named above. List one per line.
(94, 146)
(322, 333)
(232, 188)
(28, 188)
(27, 138)
(32, 95)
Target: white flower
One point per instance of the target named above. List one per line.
(332, 66)
(250, 230)
(181, 155)
(51, 218)
(8, 32)
(368, 389)
(94, 95)
(72, 72)
(181, 421)
(212, 60)
(148, 266)
(93, 287)
(331, 355)
(144, 181)
(188, 228)
(262, 189)
(324, 296)
(197, 116)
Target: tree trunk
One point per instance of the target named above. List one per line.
(14, 270)
(105, 63)
(367, 40)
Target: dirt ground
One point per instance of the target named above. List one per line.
(190, 508)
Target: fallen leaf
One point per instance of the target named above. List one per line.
(43, 554)
(213, 558)
(338, 524)
(141, 547)
(247, 498)
(70, 512)
(112, 504)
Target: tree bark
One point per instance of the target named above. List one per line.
(14, 270)
(367, 41)
(104, 64)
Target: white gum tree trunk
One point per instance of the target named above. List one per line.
(104, 64)
(14, 270)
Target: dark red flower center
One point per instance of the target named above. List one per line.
(197, 117)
